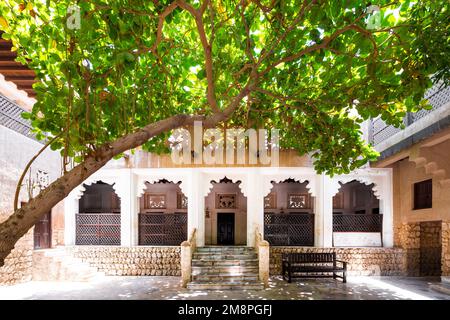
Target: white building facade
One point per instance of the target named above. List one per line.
(255, 183)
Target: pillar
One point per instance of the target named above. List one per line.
(255, 205)
(123, 188)
(323, 233)
(70, 210)
(196, 206)
(386, 204)
(134, 209)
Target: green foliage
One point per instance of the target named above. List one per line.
(315, 68)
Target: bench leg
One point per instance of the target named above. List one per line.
(344, 277)
(289, 275)
(334, 275)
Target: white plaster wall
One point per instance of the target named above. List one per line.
(357, 239)
(15, 152)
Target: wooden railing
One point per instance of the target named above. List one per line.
(187, 250)
(97, 229)
(263, 250)
(357, 222)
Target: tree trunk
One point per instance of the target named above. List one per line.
(18, 224)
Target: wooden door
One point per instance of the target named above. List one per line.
(42, 232)
(225, 228)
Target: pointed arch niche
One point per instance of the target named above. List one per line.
(357, 213)
(289, 213)
(225, 212)
(162, 213)
(98, 220)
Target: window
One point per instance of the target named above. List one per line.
(423, 194)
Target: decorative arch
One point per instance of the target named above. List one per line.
(367, 180)
(142, 180)
(267, 182)
(243, 185)
(80, 190)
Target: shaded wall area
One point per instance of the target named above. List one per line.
(15, 152)
(225, 197)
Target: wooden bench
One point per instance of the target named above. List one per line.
(312, 265)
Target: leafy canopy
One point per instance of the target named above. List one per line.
(314, 69)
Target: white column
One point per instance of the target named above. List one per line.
(134, 210)
(255, 205)
(123, 189)
(386, 205)
(318, 213)
(70, 210)
(196, 206)
(328, 193)
(323, 233)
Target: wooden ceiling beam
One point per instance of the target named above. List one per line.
(14, 71)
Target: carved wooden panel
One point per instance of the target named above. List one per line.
(361, 197)
(155, 201)
(338, 202)
(182, 202)
(270, 201)
(299, 201)
(226, 201)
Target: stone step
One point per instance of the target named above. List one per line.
(209, 256)
(225, 270)
(224, 263)
(224, 278)
(59, 265)
(238, 285)
(225, 249)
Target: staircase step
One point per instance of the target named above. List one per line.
(226, 249)
(225, 270)
(59, 265)
(239, 285)
(224, 263)
(209, 256)
(224, 278)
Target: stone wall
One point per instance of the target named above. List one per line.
(445, 249)
(407, 237)
(430, 248)
(360, 261)
(18, 263)
(131, 261)
(421, 243)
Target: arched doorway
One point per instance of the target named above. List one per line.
(357, 220)
(225, 214)
(162, 214)
(98, 219)
(289, 214)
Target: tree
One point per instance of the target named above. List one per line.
(131, 71)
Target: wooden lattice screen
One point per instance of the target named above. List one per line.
(289, 229)
(97, 229)
(357, 222)
(162, 228)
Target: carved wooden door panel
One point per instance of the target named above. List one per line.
(225, 228)
(42, 232)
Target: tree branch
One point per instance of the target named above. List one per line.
(211, 95)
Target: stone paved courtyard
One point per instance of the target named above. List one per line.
(167, 288)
